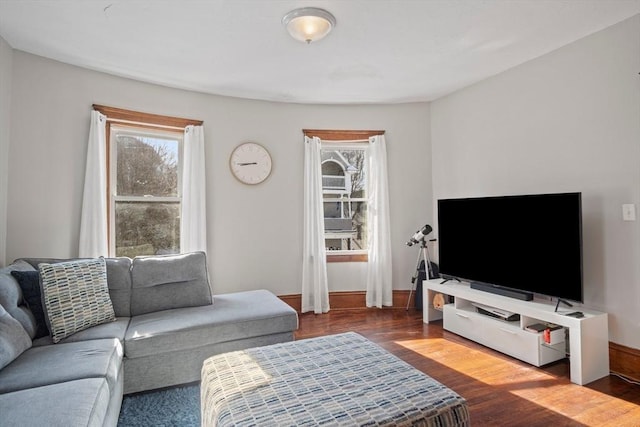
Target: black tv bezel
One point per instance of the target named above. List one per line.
(448, 276)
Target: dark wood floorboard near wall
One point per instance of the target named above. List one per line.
(500, 391)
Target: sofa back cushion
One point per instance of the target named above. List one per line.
(13, 338)
(169, 281)
(118, 280)
(11, 297)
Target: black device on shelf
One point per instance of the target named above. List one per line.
(514, 244)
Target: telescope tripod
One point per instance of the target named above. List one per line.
(423, 255)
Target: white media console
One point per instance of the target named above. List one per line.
(588, 348)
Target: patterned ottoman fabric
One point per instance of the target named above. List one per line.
(334, 380)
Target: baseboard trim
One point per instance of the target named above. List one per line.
(624, 361)
(351, 300)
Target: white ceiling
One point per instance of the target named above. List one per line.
(381, 51)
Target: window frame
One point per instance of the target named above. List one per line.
(137, 131)
(346, 137)
(151, 123)
(348, 146)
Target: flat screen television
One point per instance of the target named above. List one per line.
(530, 243)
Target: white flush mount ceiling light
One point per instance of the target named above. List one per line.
(309, 24)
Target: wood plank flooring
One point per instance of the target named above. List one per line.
(500, 390)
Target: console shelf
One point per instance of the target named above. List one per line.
(588, 347)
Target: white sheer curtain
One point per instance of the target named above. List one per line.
(379, 286)
(315, 288)
(93, 220)
(193, 221)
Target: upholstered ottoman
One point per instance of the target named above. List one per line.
(334, 380)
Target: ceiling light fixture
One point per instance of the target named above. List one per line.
(309, 24)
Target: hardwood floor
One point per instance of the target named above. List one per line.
(500, 390)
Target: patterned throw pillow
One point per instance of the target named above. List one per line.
(75, 296)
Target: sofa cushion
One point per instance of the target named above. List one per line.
(169, 281)
(233, 316)
(119, 282)
(11, 296)
(108, 330)
(51, 364)
(75, 295)
(29, 282)
(13, 338)
(76, 403)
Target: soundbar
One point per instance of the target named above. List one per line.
(512, 293)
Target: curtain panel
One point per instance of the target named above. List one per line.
(193, 220)
(315, 288)
(379, 275)
(93, 220)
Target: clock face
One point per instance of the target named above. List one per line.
(250, 163)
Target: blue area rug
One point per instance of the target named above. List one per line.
(179, 406)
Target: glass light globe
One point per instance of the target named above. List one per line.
(309, 24)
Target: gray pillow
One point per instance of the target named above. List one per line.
(75, 296)
(13, 338)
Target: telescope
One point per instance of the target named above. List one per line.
(419, 237)
(420, 234)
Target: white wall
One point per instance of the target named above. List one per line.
(567, 121)
(6, 64)
(254, 232)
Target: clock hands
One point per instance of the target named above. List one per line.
(247, 163)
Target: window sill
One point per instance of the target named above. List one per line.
(347, 257)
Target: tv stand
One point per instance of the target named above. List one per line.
(588, 346)
(448, 279)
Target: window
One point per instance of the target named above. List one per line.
(344, 157)
(144, 176)
(344, 198)
(145, 191)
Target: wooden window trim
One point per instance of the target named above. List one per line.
(344, 135)
(148, 120)
(341, 135)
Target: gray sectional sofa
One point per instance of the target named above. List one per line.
(167, 323)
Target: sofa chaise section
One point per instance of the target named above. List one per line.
(168, 347)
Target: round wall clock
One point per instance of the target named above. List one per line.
(250, 163)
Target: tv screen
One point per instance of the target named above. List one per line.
(531, 243)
